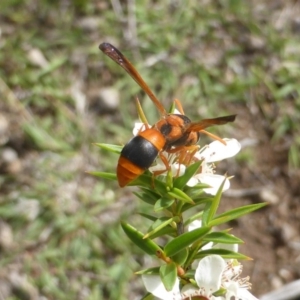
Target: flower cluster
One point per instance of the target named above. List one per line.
(197, 261)
(213, 276)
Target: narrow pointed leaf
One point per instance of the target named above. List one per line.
(201, 201)
(180, 195)
(169, 230)
(180, 257)
(235, 213)
(149, 217)
(206, 212)
(163, 203)
(147, 196)
(149, 271)
(185, 240)
(214, 205)
(181, 181)
(164, 231)
(226, 254)
(222, 237)
(109, 147)
(148, 181)
(197, 190)
(105, 175)
(172, 108)
(137, 238)
(160, 224)
(168, 275)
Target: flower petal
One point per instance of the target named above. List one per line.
(214, 181)
(217, 151)
(244, 294)
(178, 169)
(155, 286)
(138, 126)
(232, 289)
(158, 167)
(209, 273)
(188, 290)
(192, 182)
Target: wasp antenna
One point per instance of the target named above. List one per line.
(116, 55)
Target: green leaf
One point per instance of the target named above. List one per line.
(226, 254)
(149, 271)
(235, 213)
(169, 230)
(180, 195)
(137, 238)
(168, 275)
(160, 224)
(109, 147)
(208, 215)
(222, 237)
(148, 296)
(110, 176)
(181, 181)
(172, 108)
(148, 196)
(163, 203)
(185, 240)
(149, 217)
(200, 201)
(197, 190)
(147, 180)
(197, 216)
(180, 257)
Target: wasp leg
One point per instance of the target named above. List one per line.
(215, 137)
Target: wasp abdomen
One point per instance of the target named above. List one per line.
(140, 152)
(138, 155)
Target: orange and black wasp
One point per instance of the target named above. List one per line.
(171, 133)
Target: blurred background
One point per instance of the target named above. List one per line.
(60, 236)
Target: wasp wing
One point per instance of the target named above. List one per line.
(116, 55)
(198, 126)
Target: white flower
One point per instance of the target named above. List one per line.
(155, 286)
(231, 247)
(217, 151)
(235, 286)
(213, 180)
(211, 274)
(214, 152)
(208, 277)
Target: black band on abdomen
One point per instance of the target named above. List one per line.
(140, 152)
